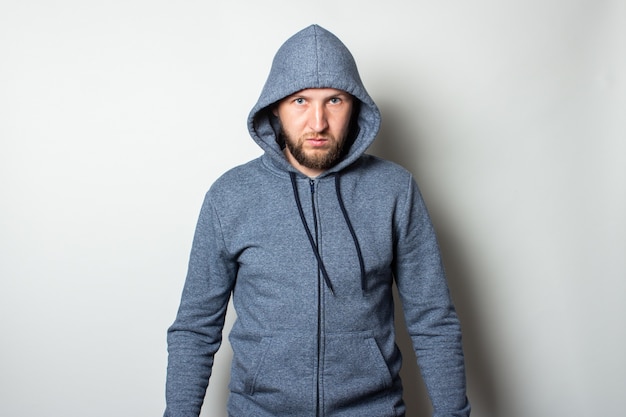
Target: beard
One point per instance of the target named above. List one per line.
(322, 159)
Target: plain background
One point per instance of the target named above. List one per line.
(116, 116)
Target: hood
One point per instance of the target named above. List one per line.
(312, 58)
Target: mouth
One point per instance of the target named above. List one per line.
(317, 141)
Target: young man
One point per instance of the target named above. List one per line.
(309, 239)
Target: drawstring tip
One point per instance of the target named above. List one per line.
(330, 286)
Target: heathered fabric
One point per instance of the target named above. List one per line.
(300, 350)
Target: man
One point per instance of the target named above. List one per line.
(309, 239)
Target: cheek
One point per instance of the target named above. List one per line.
(290, 122)
(342, 125)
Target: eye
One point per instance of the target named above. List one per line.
(299, 100)
(335, 100)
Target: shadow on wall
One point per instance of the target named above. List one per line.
(396, 143)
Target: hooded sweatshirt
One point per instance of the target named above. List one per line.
(310, 264)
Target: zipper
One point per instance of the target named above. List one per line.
(320, 289)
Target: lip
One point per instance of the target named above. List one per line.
(317, 141)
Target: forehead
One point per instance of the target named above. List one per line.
(320, 93)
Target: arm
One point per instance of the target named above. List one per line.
(196, 334)
(431, 319)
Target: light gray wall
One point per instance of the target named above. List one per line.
(115, 117)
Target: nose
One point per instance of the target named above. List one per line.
(318, 120)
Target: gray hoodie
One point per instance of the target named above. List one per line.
(310, 265)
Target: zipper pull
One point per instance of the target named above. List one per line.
(312, 185)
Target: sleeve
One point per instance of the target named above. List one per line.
(431, 319)
(196, 334)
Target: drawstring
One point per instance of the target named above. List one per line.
(320, 263)
(312, 240)
(354, 239)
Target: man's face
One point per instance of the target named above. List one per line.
(315, 123)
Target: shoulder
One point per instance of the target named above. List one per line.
(247, 187)
(382, 171)
(237, 179)
(375, 179)
(381, 165)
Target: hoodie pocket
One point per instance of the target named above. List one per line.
(355, 367)
(274, 372)
(250, 381)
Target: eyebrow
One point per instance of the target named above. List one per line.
(341, 94)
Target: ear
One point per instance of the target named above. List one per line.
(275, 110)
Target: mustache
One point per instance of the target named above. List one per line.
(325, 136)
